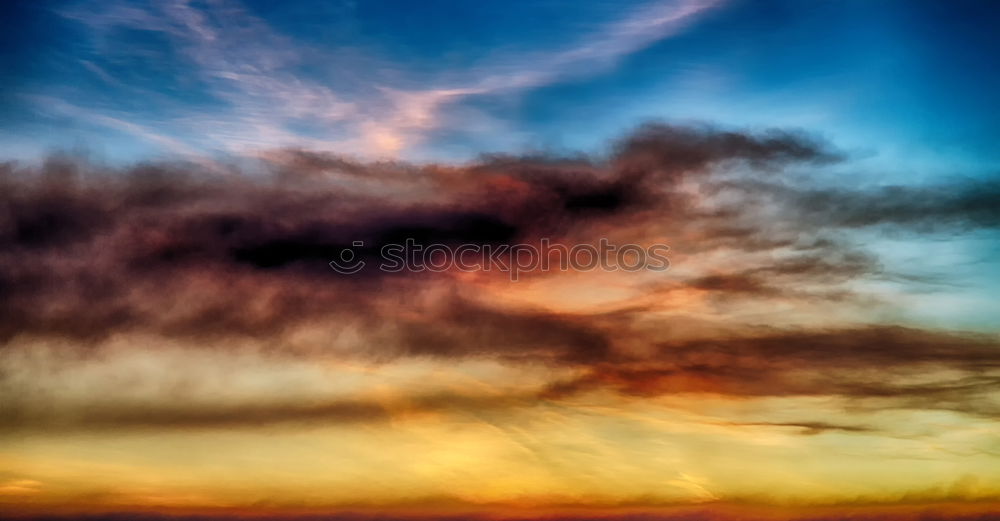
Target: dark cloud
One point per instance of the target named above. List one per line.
(16, 415)
(678, 150)
(808, 428)
(961, 204)
(87, 253)
(872, 368)
(871, 363)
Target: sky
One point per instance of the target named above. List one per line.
(183, 184)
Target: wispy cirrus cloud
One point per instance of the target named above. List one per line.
(277, 92)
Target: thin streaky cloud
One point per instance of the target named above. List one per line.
(265, 99)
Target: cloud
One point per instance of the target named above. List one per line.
(175, 251)
(256, 73)
(89, 252)
(872, 363)
(809, 428)
(17, 415)
(965, 204)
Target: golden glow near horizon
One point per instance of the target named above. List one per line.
(181, 426)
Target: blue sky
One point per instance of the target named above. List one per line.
(906, 87)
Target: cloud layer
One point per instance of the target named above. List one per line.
(172, 251)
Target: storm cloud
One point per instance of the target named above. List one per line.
(172, 250)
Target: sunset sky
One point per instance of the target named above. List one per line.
(176, 177)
